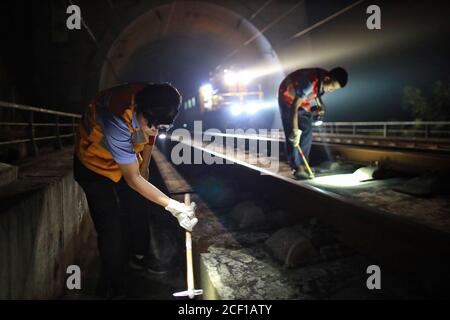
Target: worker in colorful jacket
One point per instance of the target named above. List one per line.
(295, 95)
(112, 154)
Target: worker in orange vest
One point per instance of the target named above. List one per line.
(295, 94)
(112, 154)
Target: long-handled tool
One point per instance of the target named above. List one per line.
(190, 292)
(305, 161)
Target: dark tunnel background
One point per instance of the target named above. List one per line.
(43, 64)
(176, 60)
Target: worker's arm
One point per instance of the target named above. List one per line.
(297, 105)
(147, 153)
(146, 157)
(303, 90)
(118, 140)
(294, 135)
(132, 175)
(320, 106)
(184, 214)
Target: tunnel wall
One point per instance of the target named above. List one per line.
(208, 21)
(41, 234)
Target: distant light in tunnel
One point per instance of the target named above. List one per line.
(236, 109)
(162, 136)
(207, 90)
(206, 93)
(250, 108)
(245, 77)
(232, 78)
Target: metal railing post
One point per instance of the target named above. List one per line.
(73, 130)
(31, 132)
(57, 133)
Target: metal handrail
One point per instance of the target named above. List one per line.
(393, 138)
(31, 124)
(386, 129)
(393, 123)
(18, 124)
(379, 137)
(5, 104)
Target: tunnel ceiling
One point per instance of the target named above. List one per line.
(217, 32)
(171, 42)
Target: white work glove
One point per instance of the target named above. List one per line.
(185, 214)
(294, 138)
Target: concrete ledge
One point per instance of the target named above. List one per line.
(45, 227)
(8, 174)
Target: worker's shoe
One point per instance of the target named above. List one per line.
(146, 263)
(301, 174)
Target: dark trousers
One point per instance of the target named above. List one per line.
(117, 211)
(305, 123)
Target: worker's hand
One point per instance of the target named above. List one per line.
(185, 214)
(294, 138)
(175, 207)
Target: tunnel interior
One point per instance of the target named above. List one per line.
(187, 35)
(183, 43)
(48, 74)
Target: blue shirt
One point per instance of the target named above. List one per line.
(118, 136)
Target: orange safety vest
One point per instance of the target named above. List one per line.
(90, 147)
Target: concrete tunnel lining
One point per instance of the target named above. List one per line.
(190, 19)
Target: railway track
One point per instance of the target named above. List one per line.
(409, 247)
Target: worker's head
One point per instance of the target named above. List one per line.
(157, 105)
(336, 79)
